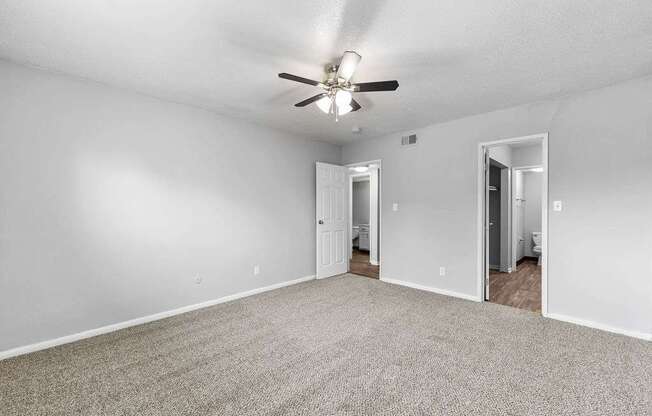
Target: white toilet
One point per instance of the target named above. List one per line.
(536, 239)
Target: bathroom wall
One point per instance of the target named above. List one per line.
(112, 203)
(519, 215)
(532, 183)
(360, 202)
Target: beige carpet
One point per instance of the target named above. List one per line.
(341, 346)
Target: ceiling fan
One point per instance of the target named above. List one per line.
(338, 96)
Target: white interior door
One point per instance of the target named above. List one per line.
(332, 220)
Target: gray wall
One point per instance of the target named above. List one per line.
(600, 155)
(501, 154)
(360, 202)
(112, 202)
(526, 156)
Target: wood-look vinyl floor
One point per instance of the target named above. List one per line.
(519, 289)
(360, 264)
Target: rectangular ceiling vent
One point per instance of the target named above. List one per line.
(410, 140)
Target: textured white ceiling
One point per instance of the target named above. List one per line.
(452, 57)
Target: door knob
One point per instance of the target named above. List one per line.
(321, 221)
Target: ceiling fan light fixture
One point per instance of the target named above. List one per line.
(324, 104)
(343, 98)
(336, 97)
(344, 109)
(348, 65)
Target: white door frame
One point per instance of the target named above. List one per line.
(481, 196)
(352, 177)
(380, 211)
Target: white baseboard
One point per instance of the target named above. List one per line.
(558, 317)
(602, 327)
(431, 289)
(143, 320)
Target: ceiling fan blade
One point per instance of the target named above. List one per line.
(376, 86)
(311, 100)
(298, 79)
(355, 105)
(348, 65)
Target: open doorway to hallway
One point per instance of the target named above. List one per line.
(365, 219)
(514, 210)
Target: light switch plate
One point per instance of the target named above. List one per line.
(395, 206)
(556, 206)
(442, 271)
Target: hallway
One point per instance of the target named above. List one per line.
(519, 289)
(360, 265)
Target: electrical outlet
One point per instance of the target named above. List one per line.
(197, 280)
(442, 271)
(395, 206)
(256, 270)
(556, 206)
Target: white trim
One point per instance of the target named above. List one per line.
(26, 349)
(544, 226)
(543, 139)
(527, 167)
(444, 292)
(348, 238)
(379, 252)
(373, 216)
(602, 327)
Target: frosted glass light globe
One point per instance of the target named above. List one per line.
(343, 98)
(324, 104)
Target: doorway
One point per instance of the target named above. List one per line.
(345, 244)
(512, 222)
(364, 223)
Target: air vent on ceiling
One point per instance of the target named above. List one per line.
(410, 140)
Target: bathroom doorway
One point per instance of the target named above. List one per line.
(513, 222)
(364, 219)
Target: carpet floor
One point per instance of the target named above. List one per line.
(341, 346)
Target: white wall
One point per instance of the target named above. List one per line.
(600, 158)
(519, 215)
(532, 186)
(111, 202)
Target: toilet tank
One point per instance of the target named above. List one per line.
(536, 237)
